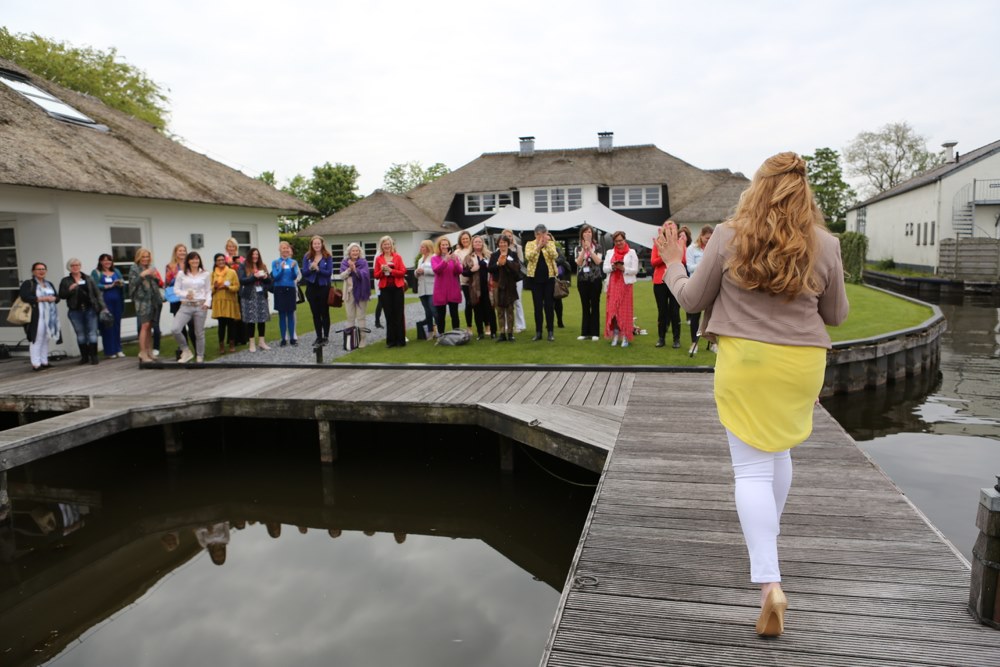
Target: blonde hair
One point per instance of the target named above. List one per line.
(282, 244)
(140, 252)
(486, 248)
(775, 227)
(437, 243)
(427, 243)
(383, 240)
(173, 255)
(234, 242)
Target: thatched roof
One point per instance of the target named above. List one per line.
(624, 165)
(935, 174)
(130, 159)
(380, 212)
(717, 204)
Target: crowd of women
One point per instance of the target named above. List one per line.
(235, 290)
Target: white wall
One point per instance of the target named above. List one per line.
(52, 226)
(987, 168)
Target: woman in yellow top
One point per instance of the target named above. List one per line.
(540, 265)
(770, 279)
(225, 302)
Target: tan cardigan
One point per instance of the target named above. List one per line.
(733, 311)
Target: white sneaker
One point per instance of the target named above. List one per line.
(200, 360)
(581, 338)
(156, 353)
(186, 356)
(614, 341)
(120, 355)
(595, 338)
(625, 342)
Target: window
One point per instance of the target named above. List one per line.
(932, 231)
(51, 104)
(243, 241)
(862, 219)
(370, 247)
(337, 251)
(487, 202)
(558, 200)
(9, 282)
(634, 196)
(918, 233)
(925, 232)
(124, 242)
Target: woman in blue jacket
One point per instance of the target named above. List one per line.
(285, 275)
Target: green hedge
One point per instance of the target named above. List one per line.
(853, 250)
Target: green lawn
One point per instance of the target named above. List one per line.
(872, 312)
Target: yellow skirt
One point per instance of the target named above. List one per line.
(765, 393)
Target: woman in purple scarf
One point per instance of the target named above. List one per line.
(357, 277)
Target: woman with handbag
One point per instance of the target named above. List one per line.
(506, 271)
(285, 276)
(390, 270)
(110, 283)
(357, 279)
(225, 302)
(84, 302)
(476, 268)
(254, 279)
(317, 268)
(770, 282)
(44, 324)
(589, 283)
(144, 283)
(175, 266)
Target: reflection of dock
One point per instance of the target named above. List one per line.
(660, 575)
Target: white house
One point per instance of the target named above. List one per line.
(78, 179)
(958, 199)
(642, 183)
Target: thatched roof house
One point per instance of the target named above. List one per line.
(78, 179)
(643, 183)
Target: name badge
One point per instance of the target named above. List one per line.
(259, 288)
(586, 269)
(108, 279)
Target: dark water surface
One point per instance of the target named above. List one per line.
(413, 550)
(938, 437)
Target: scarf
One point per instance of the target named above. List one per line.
(48, 315)
(618, 277)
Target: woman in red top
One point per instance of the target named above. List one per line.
(391, 273)
(667, 308)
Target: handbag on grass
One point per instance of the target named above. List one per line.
(20, 313)
(335, 299)
(561, 290)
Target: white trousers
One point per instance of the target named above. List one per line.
(519, 309)
(762, 483)
(39, 350)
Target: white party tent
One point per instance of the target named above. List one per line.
(596, 215)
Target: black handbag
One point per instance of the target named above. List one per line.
(300, 295)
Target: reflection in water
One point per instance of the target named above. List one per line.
(397, 555)
(939, 438)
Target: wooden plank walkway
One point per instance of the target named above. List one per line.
(660, 576)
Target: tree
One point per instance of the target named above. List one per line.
(886, 158)
(331, 188)
(101, 74)
(403, 177)
(832, 194)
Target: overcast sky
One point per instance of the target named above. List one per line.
(285, 86)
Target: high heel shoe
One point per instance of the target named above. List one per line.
(771, 621)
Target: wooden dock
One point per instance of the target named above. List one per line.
(661, 573)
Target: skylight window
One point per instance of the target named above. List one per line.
(53, 105)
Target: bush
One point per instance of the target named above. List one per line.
(885, 264)
(853, 249)
(300, 246)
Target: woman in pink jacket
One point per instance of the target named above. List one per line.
(447, 286)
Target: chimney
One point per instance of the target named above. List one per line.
(949, 147)
(604, 141)
(527, 146)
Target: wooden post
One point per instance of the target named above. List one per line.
(506, 454)
(327, 441)
(984, 592)
(4, 497)
(22, 418)
(170, 440)
(329, 491)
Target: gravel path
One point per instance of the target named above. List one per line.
(303, 352)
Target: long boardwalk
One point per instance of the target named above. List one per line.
(660, 576)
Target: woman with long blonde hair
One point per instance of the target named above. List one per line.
(390, 271)
(769, 283)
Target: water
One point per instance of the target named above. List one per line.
(938, 437)
(414, 549)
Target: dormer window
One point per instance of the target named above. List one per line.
(482, 203)
(51, 104)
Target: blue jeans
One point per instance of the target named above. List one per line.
(85, 325)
